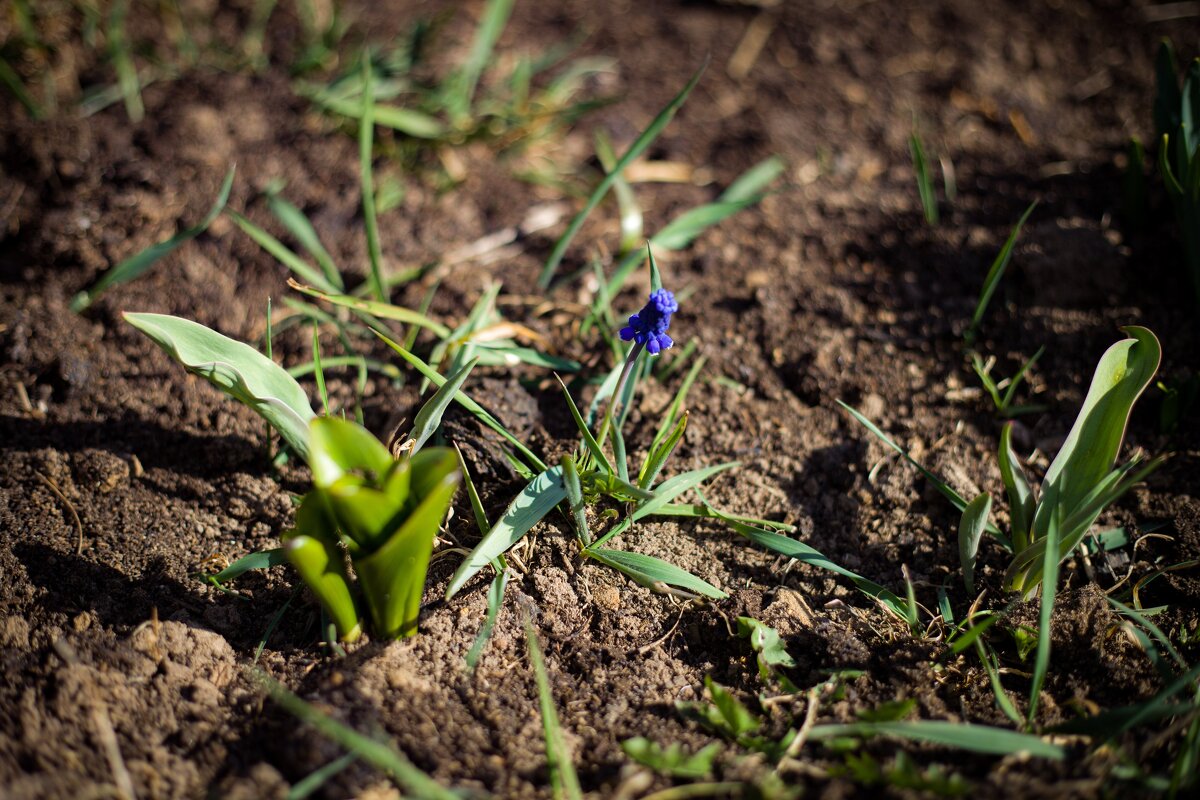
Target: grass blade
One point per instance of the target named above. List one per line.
(995, 273)
(430, 416)
(282, 253)
(925, 188)
(970, 531)
(563, 779)
(654, 573)
(375, 308)
(677, 485)
(137, 264)
(460, 397)
(537, 500)
(377, 754)
(575, 499)
(1041, 662)
(589, 440)
(954, 497)
(976, 738)
(636, 149)
(366, 146)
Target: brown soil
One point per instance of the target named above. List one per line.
(833, 289)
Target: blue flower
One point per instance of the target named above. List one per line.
(649, 326)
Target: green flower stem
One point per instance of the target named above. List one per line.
(630, 360)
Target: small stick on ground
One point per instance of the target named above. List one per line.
(58, 493)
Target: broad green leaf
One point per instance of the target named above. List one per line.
(412, 781)
(970, 531)
(558, 756)
(393, 577)
(1094, 442)
(671, 488)
(653, 573)
(340, 447)
(535, 501)
(237, 369)
(137, 264)
(1020, 496)
(639, 146)
(430, 416)
(322, 567)
(962, 735)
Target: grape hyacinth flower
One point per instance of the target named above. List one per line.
(649, 326)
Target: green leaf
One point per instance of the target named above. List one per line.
(778, 543)
(282, 253)
(264, 559)
(137, 264)
(341, 447)
(658, 455)
(411, 780)
(970, 531)
(589, 440)
(765, 642)
(671, 488)
(1020, 496)
(482, 414)
(995, 273)
(575, 499)
(1189, 110)
(430, 416)
(673, 760)
(237, 369)
(558, 757)
(366, 147)
(1107, 725)
(393, 577)
(542, 494)
(653, 573)
(376, 309)
(1046, 610)
(495, 601)
(405, 120)
(965, 736)
(924, 179)
(725, 714)
(1168, 100)
(747, 190)
(639, 146)
(1094, 441)
(302, 230)
(323, 569)
(943, 488)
